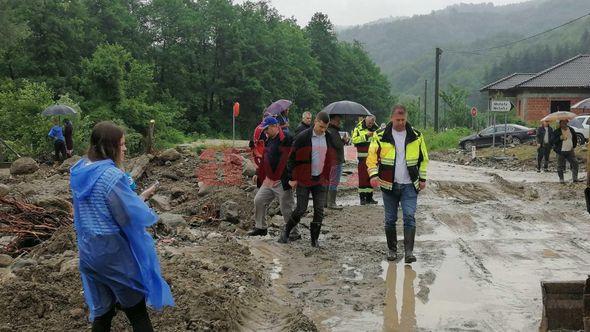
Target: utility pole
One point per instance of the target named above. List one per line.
(436, 87)
(425, 100)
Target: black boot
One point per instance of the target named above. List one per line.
(287, 231)
(331, 200)
(139, 318)
(258, 232)
(391, 235)
(560, 174)
(370, 199)
(314, 229)
(363, 197)
(409, 235)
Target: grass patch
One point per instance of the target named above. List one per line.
(448, 139)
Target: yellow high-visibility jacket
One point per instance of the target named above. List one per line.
(381, 158)
(360, 139)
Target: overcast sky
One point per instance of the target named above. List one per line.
(352, 12)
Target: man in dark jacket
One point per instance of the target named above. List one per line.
(336, 172)
(273, 172)
(564, 142)
(544, 136)
(308, 170)
(305, 123)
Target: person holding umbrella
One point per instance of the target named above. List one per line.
(362, 135)
(564, 142)
(59, 145)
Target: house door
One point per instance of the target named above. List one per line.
(560, 106)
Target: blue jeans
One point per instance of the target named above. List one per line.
(408, 197)
(335, 174)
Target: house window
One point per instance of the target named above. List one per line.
(560, 106)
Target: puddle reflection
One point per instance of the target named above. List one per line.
(407, 320)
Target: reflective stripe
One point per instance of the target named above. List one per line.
(362, 154)
(387, 162)
(365, 190)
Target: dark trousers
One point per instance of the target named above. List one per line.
(570, 156)
(364, 181)
(318, 194)
(137, 315)
(543, 152)
(60, 150)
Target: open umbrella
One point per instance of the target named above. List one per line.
(346, 107)
(558, 116)
(278, 107)
(58, 110)
(583, 105)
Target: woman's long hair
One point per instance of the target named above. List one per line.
(105, 142)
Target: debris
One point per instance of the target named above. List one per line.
(230, 212)
(24, 165)
(160, 202)
(169, 155)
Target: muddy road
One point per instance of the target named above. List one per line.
(485, 240)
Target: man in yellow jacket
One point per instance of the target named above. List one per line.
(397, 162)
(362, 135)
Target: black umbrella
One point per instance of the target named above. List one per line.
(58, 110)
(346, 107)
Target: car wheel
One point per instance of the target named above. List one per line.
(468, 145)
(581, 139)
(515, 140)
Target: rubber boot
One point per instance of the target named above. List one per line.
(369, 198)
(294, 235)
(560, 174)
(331, 199)
(284, 238)
(314, 229)
(258, 232)
(409, 235)
(575, 176)
(139, 318)
(363, 197)
(391, 235)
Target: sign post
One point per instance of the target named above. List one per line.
(236, 112)
(501, 106)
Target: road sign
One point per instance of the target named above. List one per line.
(501, 106)
(474, 112)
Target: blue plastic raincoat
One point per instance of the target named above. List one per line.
(118, 261)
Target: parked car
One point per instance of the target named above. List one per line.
(516, 134)
(581, 125)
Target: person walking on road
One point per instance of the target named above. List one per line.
(362, 135)
(118, 264)
(305, 123)
(336, 172)
(397, 162)
(308, 170)
(544, 136)
(273, 166)
(564, 142)
(59, 144)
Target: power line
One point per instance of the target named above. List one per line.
(479, 51)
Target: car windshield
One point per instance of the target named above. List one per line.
(577, 122)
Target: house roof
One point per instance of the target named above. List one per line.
(508, 82)
(573, 73)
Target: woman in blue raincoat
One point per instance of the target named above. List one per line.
(118, 261)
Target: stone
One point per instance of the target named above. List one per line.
(68, 163)
(4, 190)
(171, 176)
(77, 313)
(236, 159)
(204, 189)
(248, 168)
(160, 203)
(69, 265)
(169, 155)
(22, 263)
(172, 220)
(139, 165)
(230, 212)
(5, 260)
(50, 202)
(24, 165)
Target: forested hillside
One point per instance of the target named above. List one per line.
(181, 62)
(405, 49)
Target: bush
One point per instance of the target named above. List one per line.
(448, 139)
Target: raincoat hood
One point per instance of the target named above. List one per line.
(85, 173)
